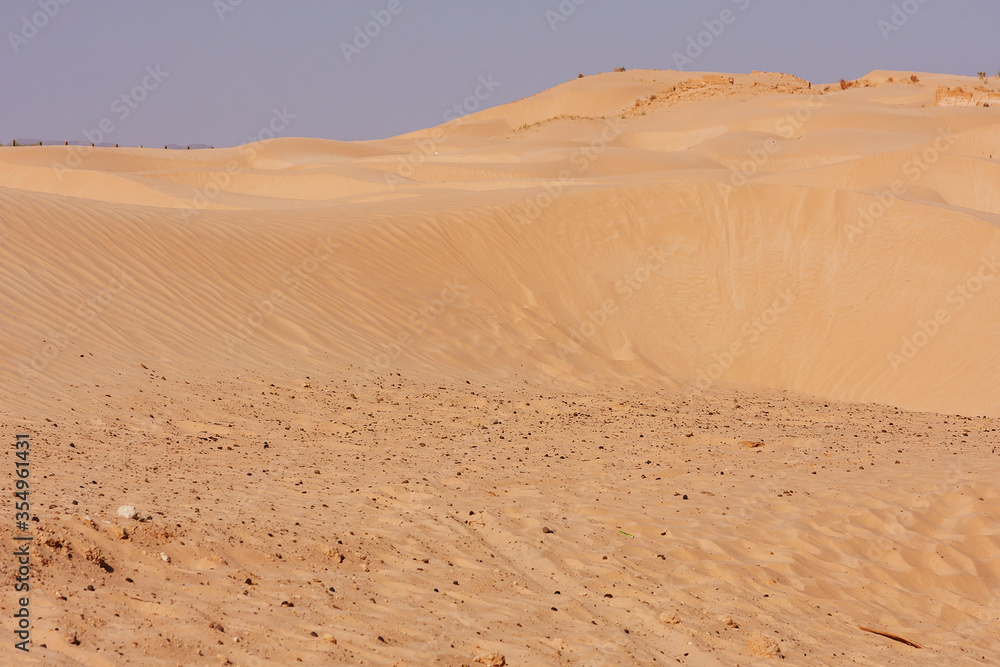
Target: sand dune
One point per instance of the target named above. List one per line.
(694, 240)
(747, 188)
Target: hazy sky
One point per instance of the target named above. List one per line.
(215, 71)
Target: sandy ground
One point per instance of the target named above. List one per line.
(650, 368)
(406, 524)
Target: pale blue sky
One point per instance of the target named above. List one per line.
(224, 73)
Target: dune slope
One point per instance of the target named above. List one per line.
(642, 238)
(650, 367)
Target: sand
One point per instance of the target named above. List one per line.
(649, 368)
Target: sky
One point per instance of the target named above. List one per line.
(219, 72)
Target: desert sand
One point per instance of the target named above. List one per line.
(649, 368)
